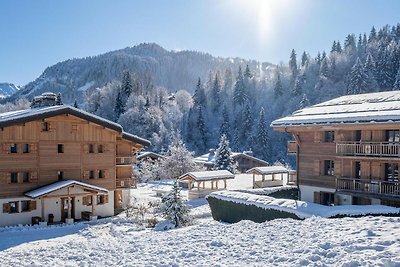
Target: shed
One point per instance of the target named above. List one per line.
(207, 182)
(270, 176)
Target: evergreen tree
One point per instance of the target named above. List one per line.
(278, 88)
(239, 92)
(339, 47)
(223, 156)
(304, 102)
(119, 106)
(324, 68)
(201, 127)
(370, 69)
(247, 72)
(304, 59)
(358, 79)
(297, 89)
(293, 63)
(318, 58)
(263, 145)
(396, 85)
(126, 87)
(216, 93)
(247, 124)
(372, 35)
(76, 104)
(225, 126)
(333, 49)
(59, 101)
(199, 97)
(173, 207)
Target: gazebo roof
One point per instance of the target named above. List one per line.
(208, 175)
(268, 170)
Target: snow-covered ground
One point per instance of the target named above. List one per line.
(315, 241)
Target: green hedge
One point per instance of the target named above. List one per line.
(286, 194)
(232, 212)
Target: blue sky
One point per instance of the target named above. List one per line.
(37, 34)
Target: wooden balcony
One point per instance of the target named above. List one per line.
(125, 182)
(292, 147)
(372, 187)
(368, 149)
(121, 161)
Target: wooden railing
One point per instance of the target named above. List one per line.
(124, 160)
(368, 186)
(292, 147)
(375, 149)
(125, 182)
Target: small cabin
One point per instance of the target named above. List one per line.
(200, 184)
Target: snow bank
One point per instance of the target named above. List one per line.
(302, 209)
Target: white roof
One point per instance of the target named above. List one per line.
(210, 159)
(209, 175)
(269, 170)
(382, 107)
(59, 185)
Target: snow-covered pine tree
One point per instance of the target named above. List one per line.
(201, 130)
(358, 79)
(396, 85)
(199, 97)
(247, 125)
(225, 125)
(59, 100)
(297, 88)
(223, 156)
(76, 104)
(173, 208)
(278, 88)
(324, 69)
(262, 149)
(304, 101)
(216, 93)
(239, 91)
(126, 87)
(304, 59)
(293, 63)
(119, 106)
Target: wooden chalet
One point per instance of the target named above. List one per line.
(347, 149)
(244, 160)
(205, 182)
(59, 163)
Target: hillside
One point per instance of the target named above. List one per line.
(7, 89)
(169, 69)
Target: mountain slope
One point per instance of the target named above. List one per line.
(169, 69)
(7, 89)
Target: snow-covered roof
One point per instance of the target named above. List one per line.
(208, 175)
(44, 190)
(382, 107)
(149, 154)
(209, 159)
(32, 114)
(268, 170)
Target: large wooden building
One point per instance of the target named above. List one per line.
(59, 163)
(347, 149)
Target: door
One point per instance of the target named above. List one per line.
(65, 206)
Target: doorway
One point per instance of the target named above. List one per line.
(64, 208)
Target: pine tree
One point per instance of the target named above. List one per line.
(119, 106)
(324, 69)
(304, 59)
(333, 49)
(239, 92)
(370, 69)
(293, 63)
(297, 89)
(247, 72)
(339, 47)
(358, 79)
(201, 127)
(174, 209)
(304, 102)
(225, 126)
(263, 147)
(396, 85)
(76, 104)
(126, 87)
(216, 93)
(372, 35)
(223, 156)
(59, 101)
(199, 97)
(247, 124)
(278, 88)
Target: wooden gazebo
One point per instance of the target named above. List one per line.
(205, 182)
(270, 176)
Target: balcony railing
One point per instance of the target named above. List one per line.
(292, 147)
(372, 149)
(124, 160)
(376, 187)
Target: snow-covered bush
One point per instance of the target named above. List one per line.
(174, 209)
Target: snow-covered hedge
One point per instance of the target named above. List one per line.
(286, 191)
(221, 206)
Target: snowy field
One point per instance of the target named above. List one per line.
(368, 241)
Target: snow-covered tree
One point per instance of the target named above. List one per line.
(119, 106)
(126, 87)
(239, 91)
(358, 79)
(262, 148)
(278, 88)
(59, 100)
(396, 85)
(173, 207)
(304, 102)
(223, 156)
(76, 104)
(225, 125)
(293, 63)
(199, 97)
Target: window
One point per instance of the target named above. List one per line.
(13, 207)
(14, 177)
(392, 172)
(26, 177)
(100, 149)
(60, 148)
(25, 206)
(329, 167)
(60, 175)
(26, 148)
(358, 136)
(357, 170)
(91, 174)
(45, 126)
(91, 148)
(13, 148)
(101, 174)
(100, 199)
(393, 135)
(90, 200)
(329, 136)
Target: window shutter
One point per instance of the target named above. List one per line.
(6, 148)
(85, 175)
(19, 177)
(106, 174)
(6, 208)
(52, 126)
(338, 168)
(32, 205)
(33, 148)
(85, 148)
(105, 199)
(85, 200)
(318, 137)
(8, 177)
(317, 197)
(33, 177)
(317, 168)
